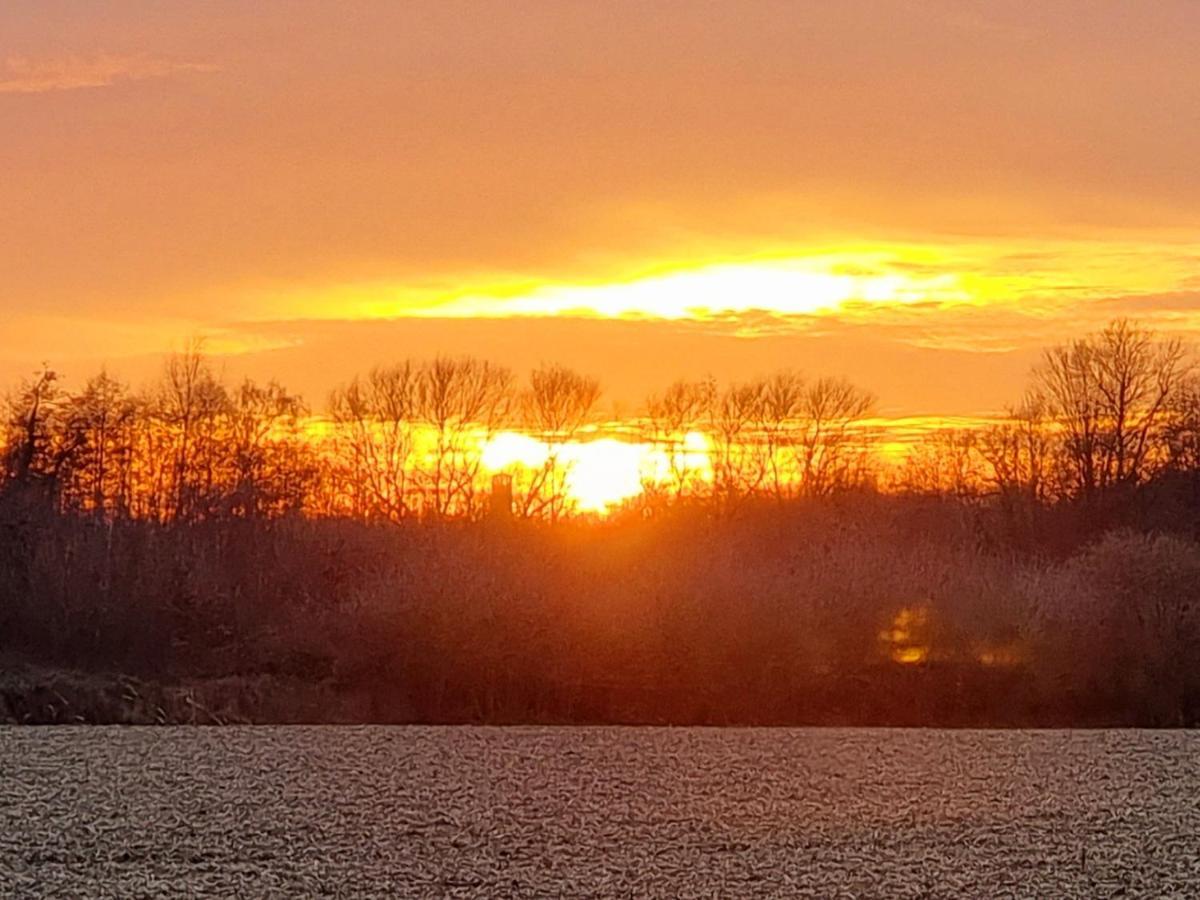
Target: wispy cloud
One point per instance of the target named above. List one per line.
(25, 75)
(1142, 304)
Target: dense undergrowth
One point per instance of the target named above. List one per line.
(861, 609)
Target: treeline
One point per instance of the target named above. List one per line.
(269, 565)
(186, 449)
(1100, 419)
(1106, 435)
(402, 441)
(1101, 415)
(407, 441)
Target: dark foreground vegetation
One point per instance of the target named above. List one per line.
(189, 555)
(868, 609)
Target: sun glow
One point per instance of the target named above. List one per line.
(782, 287)
(600, 472)
(610, 464)
(799, 281)
(597, 474)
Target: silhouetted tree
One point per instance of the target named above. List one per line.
(1110, 393)
(556, 406)
(99, 422)
(738, 461)
(462, 402)
(272, 465)
(34, 450)
(781, 406)
(189, 407)
(670, 417)
(831, 453)
(1021, 453)
(945, 462)
(374, 439)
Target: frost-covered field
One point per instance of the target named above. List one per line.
(579, 812)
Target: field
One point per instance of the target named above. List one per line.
(576, 812)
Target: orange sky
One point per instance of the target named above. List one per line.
(914, 194)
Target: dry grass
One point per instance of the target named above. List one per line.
(37, 695)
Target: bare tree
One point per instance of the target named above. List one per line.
(1110, 394)
(830, 452)
(945, 462)
(462, 402)
(782, 404)
(558, 403)
(33, 411)
(1020, 452)
(1181, 438)
(1181, 428)
(36, 454)
(271, 466)
(670, 417)
(738, 462)
(775, 434)
(190, 404)
(374, 440)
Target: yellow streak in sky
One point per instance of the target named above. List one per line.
(794, 287)
(1047, 278)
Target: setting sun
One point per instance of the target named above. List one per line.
(599, 473)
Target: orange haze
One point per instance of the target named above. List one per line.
(917, 194)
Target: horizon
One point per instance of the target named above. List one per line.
(428, 438)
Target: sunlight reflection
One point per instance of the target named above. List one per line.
(906, 641)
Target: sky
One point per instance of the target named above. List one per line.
(916, 194)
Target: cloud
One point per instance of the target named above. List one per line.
(23, 75)
(1142, 304)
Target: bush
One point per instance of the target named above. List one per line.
(866, 610)
(1121, 629)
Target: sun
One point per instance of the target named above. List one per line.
(604, 473)
(598, 474)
